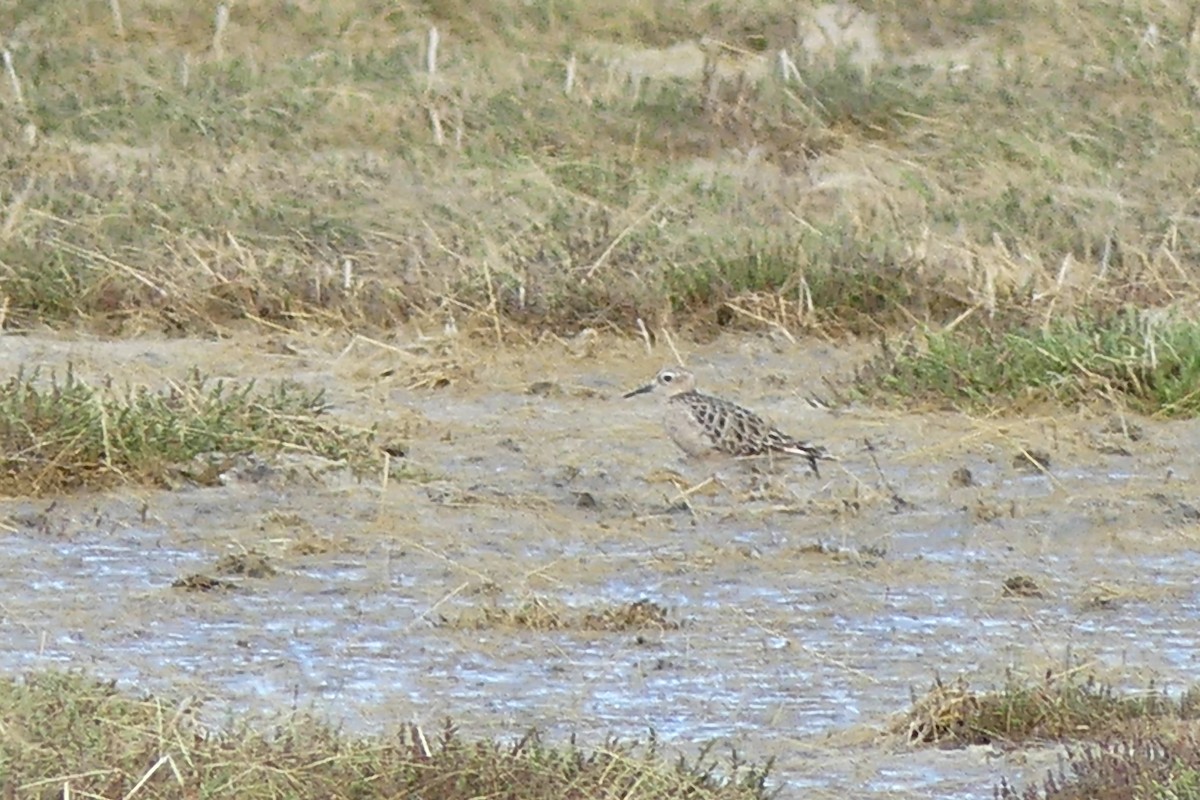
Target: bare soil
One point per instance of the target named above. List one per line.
(787, 615)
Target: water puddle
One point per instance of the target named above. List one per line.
(806, 614)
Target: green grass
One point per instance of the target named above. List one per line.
(1142, 363)
(64, 730)
(63, 433)
(176, 188)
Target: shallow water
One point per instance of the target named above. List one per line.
(783, 649)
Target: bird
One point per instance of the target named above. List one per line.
(701, 424)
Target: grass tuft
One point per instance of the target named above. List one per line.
(1057, 708)
(1146, 364)
(64, 433)
(66, 734)
(1143, 766)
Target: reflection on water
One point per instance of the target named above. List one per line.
(760, 654)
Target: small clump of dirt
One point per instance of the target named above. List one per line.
(985, 511)
(585, 500)
(305, 540)
(429, 371)
(1188, 512)
(311, 546)
(638, 615)
(395, 449)
(537, 614)
(962, 477)
(1178, 511)
(485, 587)
(1022, 586)
(202, 583)
(227, 469)
(541, 614)
(1032, 460)
(866, 556)
(277, 523)
(1112, 437)
(1102, 597)
(1109, 448)
(250, 564)
(1120, 426)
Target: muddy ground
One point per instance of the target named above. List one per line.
(801, 611)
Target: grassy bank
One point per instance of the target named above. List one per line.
(67, 734)
(570, 165)
(61, 433)
(1145, 363)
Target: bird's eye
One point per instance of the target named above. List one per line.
(668, 378)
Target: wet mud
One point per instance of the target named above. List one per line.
(540, 555)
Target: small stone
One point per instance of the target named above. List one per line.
(962, 477)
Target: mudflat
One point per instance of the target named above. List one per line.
(541, 555)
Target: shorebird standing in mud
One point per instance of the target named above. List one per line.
(701, 424)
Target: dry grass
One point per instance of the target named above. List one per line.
(542, 614)
(1123, 746)
(1063, 707)
(1155, 763)
(571, 165)
(61, 433)
(64, 735)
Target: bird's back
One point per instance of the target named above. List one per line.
(731, 428)
(716, 424)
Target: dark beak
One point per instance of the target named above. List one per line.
(639, 390)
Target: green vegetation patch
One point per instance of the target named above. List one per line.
(63, 433)
(68, 731)
(1147, 364)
